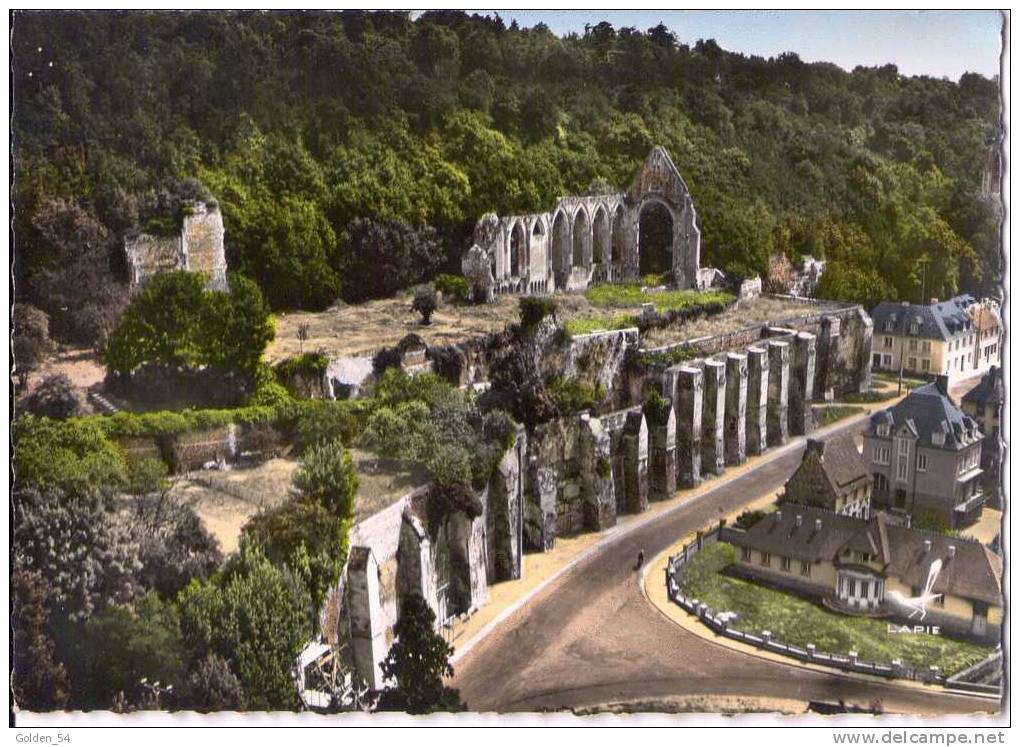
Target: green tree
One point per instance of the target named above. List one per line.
(418, 660)
(38, 679)
(306, 537)
(161, 325)
(327, 476)
(256, 617)
(117, 647)
(235, 327)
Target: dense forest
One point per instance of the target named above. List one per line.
(337, 139)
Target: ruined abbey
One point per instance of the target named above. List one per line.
(649, 229)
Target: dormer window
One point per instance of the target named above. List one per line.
(938, 438)
(914, 328)
(889, 325)
(883, 429)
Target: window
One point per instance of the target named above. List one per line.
(912, 364)
(881, 455)
(902, 446)
(940, 600)
(887, 342)
(887, 360)
(938, 438)
(922, 462)
(766, 559)
(805, 568)
(784, 563)
(926, 346)
(913, 346)
(745, 554)
(913, 328)
(901, 470)
(925, 365)
(889, 325)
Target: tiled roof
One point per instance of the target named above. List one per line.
(938, 321)
(988, 391)
(842, 462)
(973, 572)
(926, 410)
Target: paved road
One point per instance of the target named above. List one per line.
(591, 636)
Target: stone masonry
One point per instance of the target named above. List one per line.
(779, 377)
(713, 454)
(736, 408)
(757, 400)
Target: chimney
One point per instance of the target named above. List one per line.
(779, 516)
(815, 445)
(934, 301)
(952, 551)
(942, 383)
(904, 303)
(799, 521)
(927, 546)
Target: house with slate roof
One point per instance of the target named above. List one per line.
(924, 456)
(959, 337)
(874, 567)
(832, 475)
(984, 404)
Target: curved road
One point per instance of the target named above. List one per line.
(591, 637)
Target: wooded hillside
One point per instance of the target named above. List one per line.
(300, 123)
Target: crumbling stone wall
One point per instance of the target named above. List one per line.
(197, 248)
(585, 239)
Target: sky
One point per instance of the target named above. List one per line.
(939, 43)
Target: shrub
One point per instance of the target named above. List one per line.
(255, 615)
(306, 364)
(656, 409)
(452, 286)
(574, 395)
(306, 537)
(327, 475)
(425, 304)
(604, 468)
(534, 309)
(55, 397)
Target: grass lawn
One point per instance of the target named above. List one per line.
(583, 325)
(908, 383)
(630, 295)
(800, 622)
(829, 415)
(872, 395)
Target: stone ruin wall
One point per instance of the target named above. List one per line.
(198, 248)
(202, 245)
(395, 552)
(585, 239)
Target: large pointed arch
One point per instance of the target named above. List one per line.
(581, 236)
(601, 236)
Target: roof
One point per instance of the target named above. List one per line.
(779, 533)
(936, 321)
(988, 391)
(926, 410)
(973, 572)
(841, 462)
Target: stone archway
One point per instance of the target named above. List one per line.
(619, 235)
(601, 237)
(518, 244)
(561, 250)
(582, 238)
(655, 239)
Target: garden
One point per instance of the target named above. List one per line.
(799, 622)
